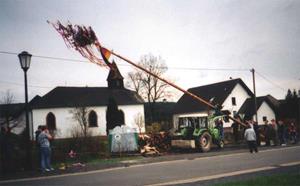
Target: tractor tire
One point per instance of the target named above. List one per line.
(205, 142)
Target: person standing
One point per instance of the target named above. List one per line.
(274, 131)
(6, 150)
(293, 133)
(235, 129)
(37, 145)
(267, 131)
(256, 130)
(3, 150)
(281, 133)
(250, 137)
(221, 129)
(43, 140)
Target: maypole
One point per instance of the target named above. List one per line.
(199, 99)
(82, 39)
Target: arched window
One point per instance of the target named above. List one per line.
(93, 119)
(51, 121)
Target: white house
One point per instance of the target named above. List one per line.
(56, 108)
(233, 95)
(267, 106)
(229, 94)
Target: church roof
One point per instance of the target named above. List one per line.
(86, 96)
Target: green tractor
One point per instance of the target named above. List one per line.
(198, 133)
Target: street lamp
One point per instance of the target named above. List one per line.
(25, 59)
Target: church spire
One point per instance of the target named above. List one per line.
(114, 78)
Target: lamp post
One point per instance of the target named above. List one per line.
(25, 59)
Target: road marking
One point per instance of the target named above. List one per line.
(204, 178)
(241, 153)
(290, 164)
(63, 175)
(142, 165)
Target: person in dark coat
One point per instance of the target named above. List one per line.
(268, 133)
(219, 126)
(235, 129)
(6, 149)
(293, 133)
(256, 129)
(37, 133)
(281, 133)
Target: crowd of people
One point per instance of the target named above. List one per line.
(271, 133)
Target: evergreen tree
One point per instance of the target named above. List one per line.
(114, 116)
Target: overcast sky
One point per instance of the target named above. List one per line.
(264, 35)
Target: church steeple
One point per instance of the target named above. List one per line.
(114, 78)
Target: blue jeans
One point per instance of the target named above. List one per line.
(45, 158)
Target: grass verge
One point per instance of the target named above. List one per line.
(273, 180)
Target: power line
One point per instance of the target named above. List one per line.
(20, 84)
(173, 68)
(268, 80)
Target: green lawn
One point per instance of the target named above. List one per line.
(292, 179)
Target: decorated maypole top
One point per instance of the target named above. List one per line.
(84, 40)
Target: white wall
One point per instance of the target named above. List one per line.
(65, 123)
(264, 110)
(131, 112)
(240, 95)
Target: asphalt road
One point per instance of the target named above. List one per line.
(186, 171)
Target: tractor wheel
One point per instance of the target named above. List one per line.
(221, 144)
(205, 142)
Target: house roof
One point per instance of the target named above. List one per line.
(217, 91)
(248, 106)
(86, 96)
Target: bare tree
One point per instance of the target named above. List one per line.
(80, 115)
(8, 98)
(148, 87)
(7, 112)
(134, 81)
(139, 121)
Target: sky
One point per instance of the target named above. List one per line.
(193, 37)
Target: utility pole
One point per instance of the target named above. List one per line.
(254, 91)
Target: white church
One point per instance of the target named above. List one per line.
(56, 108)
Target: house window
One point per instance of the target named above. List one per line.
(226, 119)
(51, 121)
(264, 118)
(233, 101)
(93, 119)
